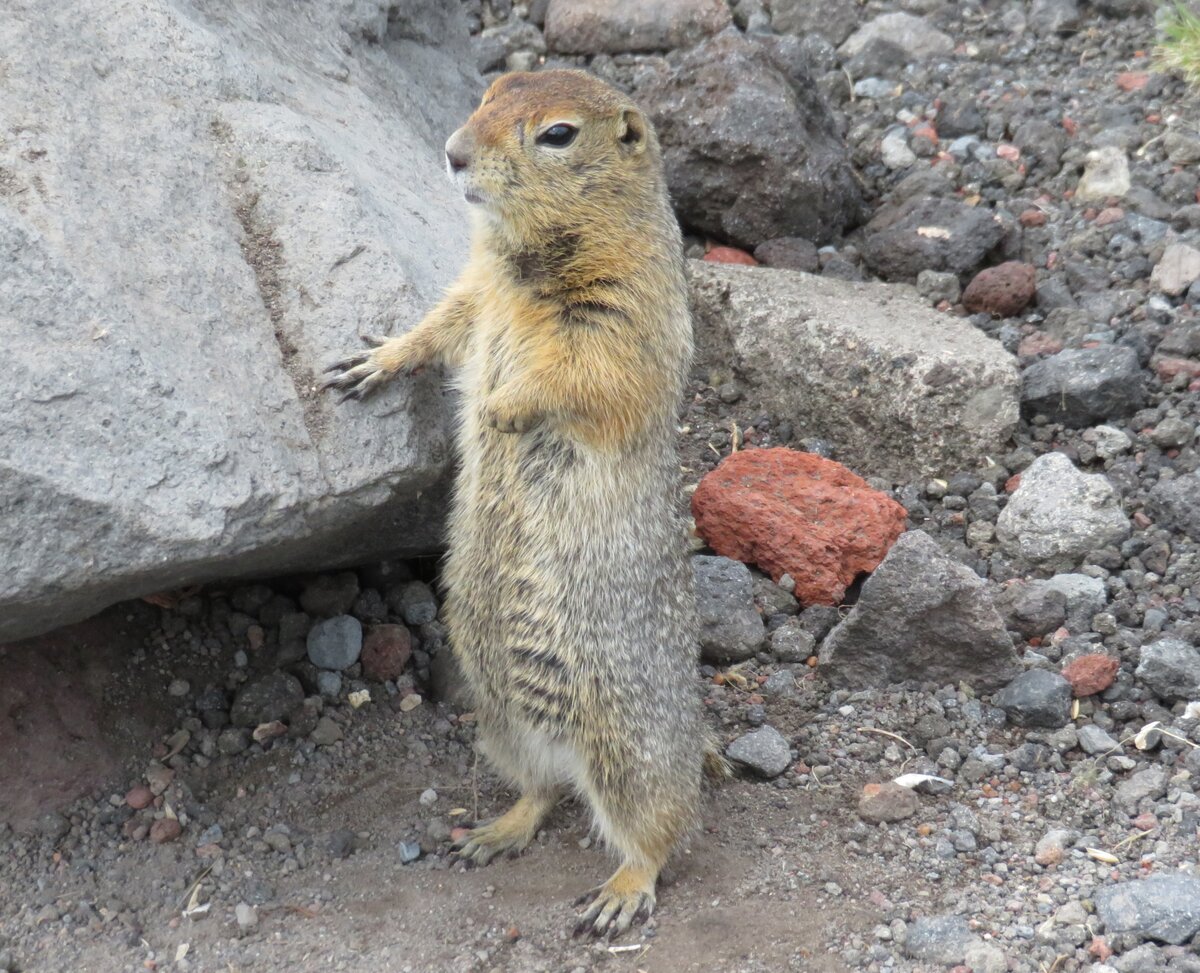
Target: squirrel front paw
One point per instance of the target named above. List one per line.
(505, 415)
(364, 373)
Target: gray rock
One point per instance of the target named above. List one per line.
(751, 154)
(730, 627)
(1084, 596)
(1058, 514)
(791, 642)
(1162, 907)
(1053, 16)
(1092, 739)
(1171, 667)
(1031, 607)
(1178, 269)
(889, 42)
(164, 333)
(270, 697)
(326, 733)
(1036, 698)
(233, 740)
(887, 803)
(246, 916)
(329, 684)
(929, 234)
(335, 643)
(833, 20)
(615, 26)
(1081, 386)
(1146, 785)
(983, 957)
(1172, 503)
(1173, 433)
(938, 939)
(415, 602)
(902, 390)
(937, 286)
(764, 751)
(920, 616)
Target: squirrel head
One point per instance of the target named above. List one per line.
(551, 150)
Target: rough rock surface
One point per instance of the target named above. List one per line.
(1036, 698)
(890, 41)
(1091, 674)
(928, 234)
(730, 627)
(764, 751)
(592, 26)
(797, 514)
(1080, 386)
(1171, 667)
(205, 204)
(920, 616)
(1173, 503)
(751, 154)
(1058, 514)
(899, 389)
(1161, 907)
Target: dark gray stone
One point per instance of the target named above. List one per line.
(1053, 16)
(791, 642)
(833, 20)
(929, 234)
(921, 616)
(335, 643)
(415, 602)
(1171, 667)
(938, 939)
(270, 697)
(730, 627)
(1165, 908)
(751, 155)
(1082, 386)
(886, 44)
(1146, 785)
(1036, 698)
(764, 751)
(1175, 504)
(330, 594)
(1031, 608)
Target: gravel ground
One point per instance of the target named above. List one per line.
(239, 812)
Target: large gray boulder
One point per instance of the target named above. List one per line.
(204, 203)
(900, 390)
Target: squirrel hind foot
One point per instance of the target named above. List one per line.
(508, 834)
(624, 900)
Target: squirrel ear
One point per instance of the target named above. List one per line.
(633, 131)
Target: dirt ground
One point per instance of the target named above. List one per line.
(83, 708)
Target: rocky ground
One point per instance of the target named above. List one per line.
(1026, 169)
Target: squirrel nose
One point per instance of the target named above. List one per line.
(458, 151)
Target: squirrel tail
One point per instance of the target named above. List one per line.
(716, 767)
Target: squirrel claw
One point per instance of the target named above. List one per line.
(611, 913)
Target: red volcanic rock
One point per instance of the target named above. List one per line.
(730, 255)
(1005, 290)
(1090, 674)
(797, 514)
(385, 652)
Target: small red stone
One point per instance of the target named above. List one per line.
(139, 797)
(1142, 521)
(164, 830)
(1009, 152)
(1132, 80)
(1038, 343)
(385, 652)
(1168, 368)
(1145, 821)
(1032, 217)
(1011, 484)
(1070, 126)
(1091, 674)
(1110, 214)
(1005, 290)
(799, 514)
(1100, 949)
(730, 255)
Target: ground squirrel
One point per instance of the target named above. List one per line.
(569, 596)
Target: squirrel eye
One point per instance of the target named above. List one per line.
(558, 136)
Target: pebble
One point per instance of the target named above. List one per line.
(270, 697)
(335, 643)
(1171, 667)
(385, 652)
(165, 830)
(881, 803)
(139, 797)
(1004, 290)
(1093, 739)
(178, 688)
(938, 939)
(414, 602)
(1036, 698)
(764, 751)
(410, 851)
(246, 916)
(1106, 175)
(1091, 674)
(1178, 269)
(1165, 908)
(1052, 847)
(1080, 386)
(326, 733)
(731, 628)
